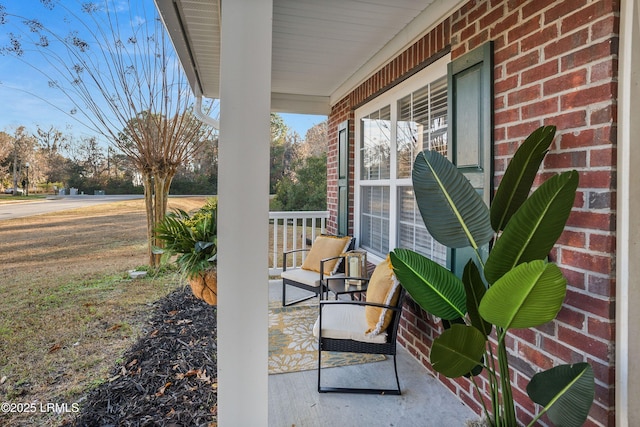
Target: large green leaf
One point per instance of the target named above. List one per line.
(475, 289)
(535, 227)
(433, 287)
(193, 237)
(517, 180)
(529, 295)
(566, 392)
(452, 210)
(457, 350)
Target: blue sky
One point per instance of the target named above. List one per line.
(301, 122)
(20, 85)
(23, 90)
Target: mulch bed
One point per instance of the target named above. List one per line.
(169, 377)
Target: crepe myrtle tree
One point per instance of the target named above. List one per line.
(119, 72)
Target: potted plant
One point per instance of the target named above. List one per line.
(194, 239)
(515, 286)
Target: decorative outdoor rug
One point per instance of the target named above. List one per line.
(292, 346)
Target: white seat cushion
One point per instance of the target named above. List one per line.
(309, 278)
(346, 321)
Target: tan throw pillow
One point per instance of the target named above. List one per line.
(383, 288)
(326, 247)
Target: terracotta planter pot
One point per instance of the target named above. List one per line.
(205, 286)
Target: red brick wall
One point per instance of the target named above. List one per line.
(555, 63)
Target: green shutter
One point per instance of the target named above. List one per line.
(470, 138)
(343, 178)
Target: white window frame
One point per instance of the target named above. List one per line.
(431, 73)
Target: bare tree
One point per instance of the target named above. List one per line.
(317, 139)
(6, 148)
(22, 156)
(93, 159)
(52, 142)
(124, 81)
(315, 144)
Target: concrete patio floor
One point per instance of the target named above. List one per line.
(294, 400)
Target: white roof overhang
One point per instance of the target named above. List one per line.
(321, 49)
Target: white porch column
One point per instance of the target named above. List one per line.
(628, 222)
(243, 179)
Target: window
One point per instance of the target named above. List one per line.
(390, 132)
(447, 107)
(422, 124)
(374, 227)
(412, 233)
(376, 143)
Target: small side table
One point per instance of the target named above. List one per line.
(338, 288)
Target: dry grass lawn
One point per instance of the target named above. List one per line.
(68, 309)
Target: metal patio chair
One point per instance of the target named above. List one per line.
(339, 329)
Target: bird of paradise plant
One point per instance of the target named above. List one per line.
(514, 287)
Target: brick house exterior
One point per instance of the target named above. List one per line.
(555, 62)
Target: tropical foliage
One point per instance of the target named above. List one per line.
(514, 287)
(192, 237)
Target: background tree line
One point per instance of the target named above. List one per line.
(58, 159)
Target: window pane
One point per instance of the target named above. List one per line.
(374, 219)
(412, 233)
(438, 117)
(376, 145)
(421, 123)
(407, 137)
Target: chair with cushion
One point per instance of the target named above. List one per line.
(323, 260)
(369, 326)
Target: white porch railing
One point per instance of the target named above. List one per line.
(293, 230)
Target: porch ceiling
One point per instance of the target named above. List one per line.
(321, 49)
